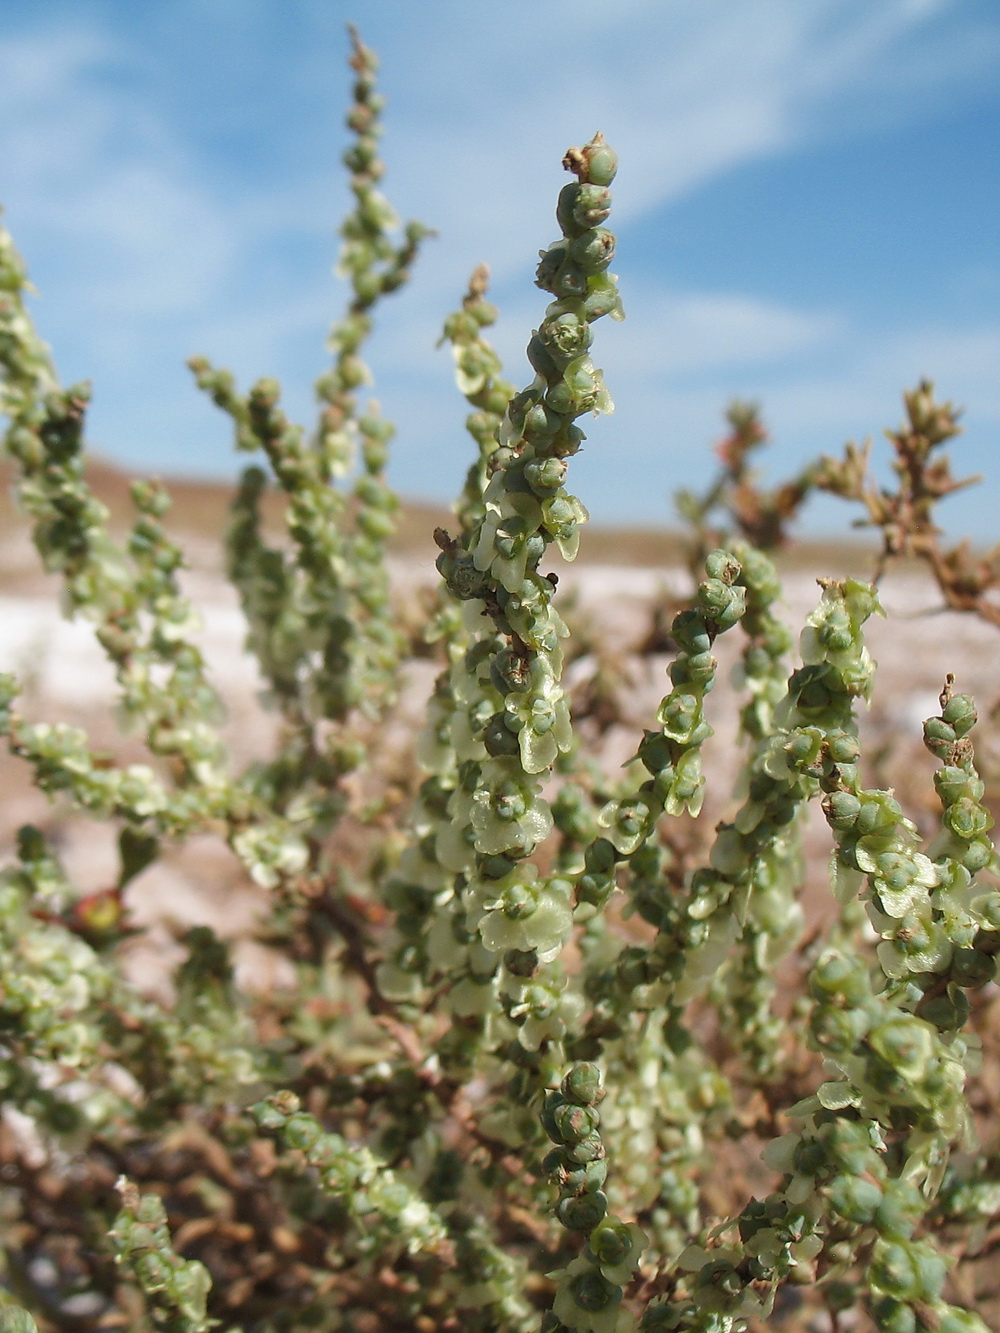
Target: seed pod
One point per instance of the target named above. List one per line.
(841, 809)
(595, 161)
(836, 975)
(567, 336)
(566, 210)
(521, 962)
(856, 1200)
(582, 1085)
(951, 782)
(498, 737)
(901, 1208)
(545, 475)
(593, 251)
(972, 969)
(570, 280)
(602, 300)
(700, 669)
(842, 748)
(301, 1131)
(508, 672)
(960, 713)
(939, 736)
(541, 359)
(721, 564)
(582, 1212)
(567, 440)
(839, 1030)
(947, 1012)
(588, 1177)
(550, 261)
(611, 1243)
(574, 1123)
(591, 206)
(594, 1293)
(908, 1270)
(978, 855)
(892, 1316)
(689, 632)
(601, 856)
(590, 1149)
(810, 1158)
(540, 424)
(464, 580)
(966, 818)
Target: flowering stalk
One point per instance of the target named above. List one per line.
(143, 621)
(478, 374)
(422, 894)
(376, 266)
(873, 1143)
(745, 990)
(395, 1215)
(760, 517)
(672, 757)
(521, 720)
(497, 571)
(176, 1289)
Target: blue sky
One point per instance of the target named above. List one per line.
(806, 208)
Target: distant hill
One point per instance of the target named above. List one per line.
(200, 509)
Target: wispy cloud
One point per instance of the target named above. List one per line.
(157, 225)
(89, 169)
(686, 94)
(671, 334)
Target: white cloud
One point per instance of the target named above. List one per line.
(158, 254)
(685, 92)
(88, 168)
(682, 333)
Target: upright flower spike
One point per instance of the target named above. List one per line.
(477, 372)
(423, 891)
(746, 991)
(375, 265)
(26, 370)
(516, 717)
(335, 647)
(526, 506)
(937, 925)
(672, 755)
(526, 509)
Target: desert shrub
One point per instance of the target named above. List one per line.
(537, 1039)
